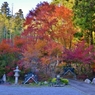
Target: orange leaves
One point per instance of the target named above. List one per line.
(40, 44)
(39, 21)
(50, 21)
(49, 28)
(54, 48)
(63, 12)
(45, 60)
(34, 49)
(19, 42)
(5, 47)
(64, 29)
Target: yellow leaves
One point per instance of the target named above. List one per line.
(4, 19)
(12, 25)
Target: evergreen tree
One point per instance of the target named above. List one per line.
(5, 9)
(84, 17)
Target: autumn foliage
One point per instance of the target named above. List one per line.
(80, 54)
(46, 42)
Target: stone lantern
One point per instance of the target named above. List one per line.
(16, 74)
(58, 79)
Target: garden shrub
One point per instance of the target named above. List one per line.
(53, 80)
(66, 81)
(50, 79)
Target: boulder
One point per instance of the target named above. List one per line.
(93, 81)
(87, 81)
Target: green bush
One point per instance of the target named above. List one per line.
(66, 81)
(53, 80)
(50, 79)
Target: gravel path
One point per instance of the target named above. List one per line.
(85, 87)
(74, 88)
(19, 90)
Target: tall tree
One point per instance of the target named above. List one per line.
(19, 14)
(5, 16)
(84, 17)
(16, 23)
(64, 30)
(39, 22)
(4, 24)
(66, 3)
(5, 9)
(11, 25)
(50, 21)
(48, 29)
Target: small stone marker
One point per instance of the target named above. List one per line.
(87, 81)
(4, 78)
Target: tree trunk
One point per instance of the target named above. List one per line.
(91, 37)
(57, 60)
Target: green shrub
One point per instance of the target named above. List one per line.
(53, 80)
(66, 81)
(50, 79)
